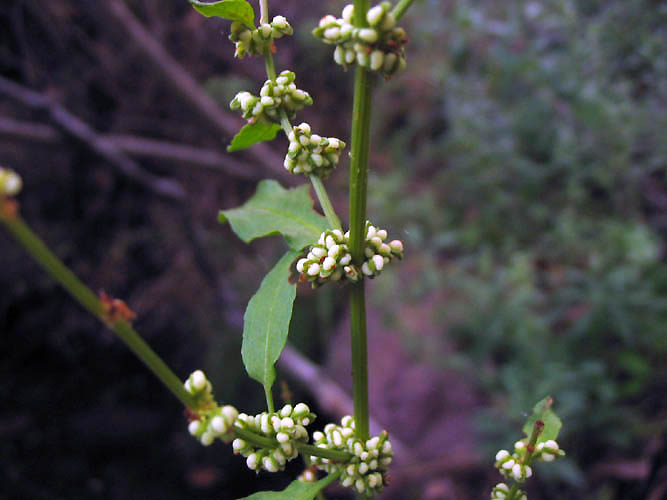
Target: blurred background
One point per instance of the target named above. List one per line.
(521, 159)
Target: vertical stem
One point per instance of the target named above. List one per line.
(269, 399)
(263, 11)
(528, 456)
(361, 115)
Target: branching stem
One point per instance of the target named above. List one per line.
(400, 8)
(82, 294)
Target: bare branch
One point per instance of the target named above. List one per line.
(178, 78)
(80, 130)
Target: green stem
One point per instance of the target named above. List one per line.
(325, 202)
(263, 11)
(361, 118)
(269, 399)
(320, 190)
(306, 449)
(400, 8)
(528, 456)
(82, 294)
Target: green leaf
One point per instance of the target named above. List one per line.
(297, 490)
(252, 133)
(552, 424)
(266, 322)
(276, 210)
(235, 10)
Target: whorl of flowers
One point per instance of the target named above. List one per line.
(501, 490)
(378, 47)
(287, 427)
(10, 182)
(274, 96)
(310, 153)
(253, 42)
(210, 421)
(511, 465)
(370, 458)
(330, 260)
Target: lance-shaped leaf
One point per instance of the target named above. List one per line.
(297, 490)
(276, 210)
(266, 322)
(252, 133)
(235, 10)
(552, 424)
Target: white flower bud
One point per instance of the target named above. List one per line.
(282, 437)
(348, 13)
(508, 465)
(363, 468)
(280, 22)
(314, 270)
(318, 436)
(519, 445)
(350, 56)
(238, 445)
(230, 413)
(387, 448)
(301, 409)
(218, 425)
(551, 445)
(339, 55)
(300, 264)
(207, 438)
(548, 457)
(193, 427)
(328, 263)
(389, 22)
(366, 270)
(270, 464)
(382, 234)
(198, 380)
(327, 20)
(396, 246)
(377, 59)
(368, 35)
(359, 485)
(347, 482)
(332, 33)
(374, 15)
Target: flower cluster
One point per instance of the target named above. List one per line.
(253, 42)
(548, 451)
(287, 427)
(209, 421)
(511, 466)
(274, 96)
(310, 153)
(378, 47)
(10, 182)
(330, 259)
(501, 490)
(370, 459)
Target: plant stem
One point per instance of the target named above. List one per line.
(318, 185)
(306, 449)
(325, 203)
(82, 294)
(528, 456)
(361, 116)
(400, 8)
(263, 11)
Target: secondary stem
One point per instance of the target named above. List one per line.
(361, 115)
(400, 8)
(528, 456)
(82, 294)
(318, 185)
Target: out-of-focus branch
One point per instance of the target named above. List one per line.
(136, 146)
(332, 397)
(77, 128)
(178, 78)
